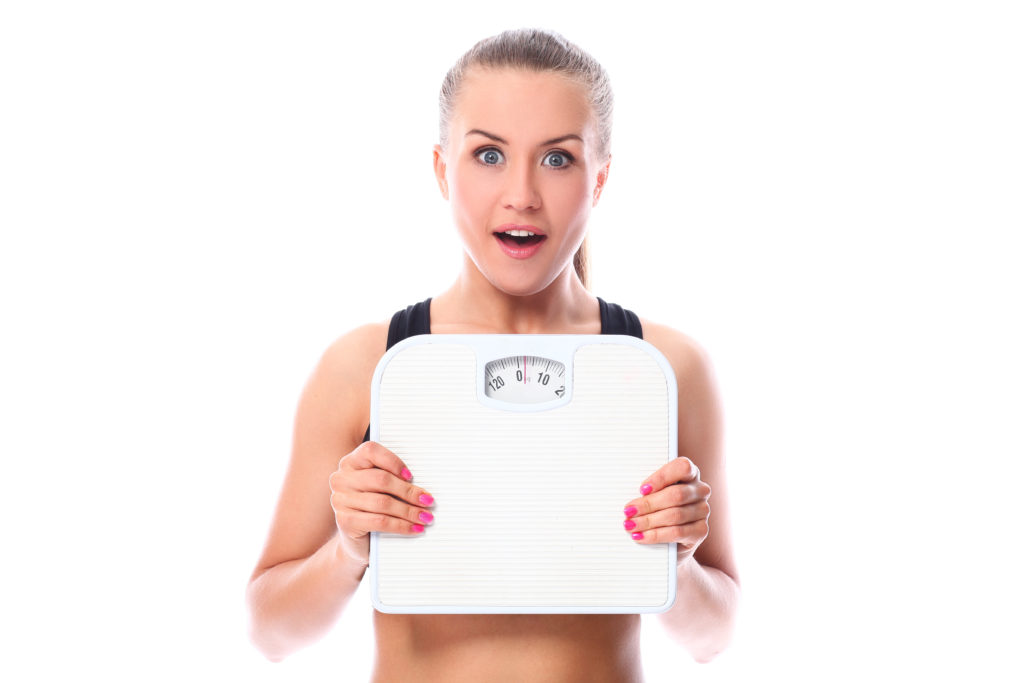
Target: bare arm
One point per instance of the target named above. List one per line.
(336, 491)
(702, 618)
(680, 507)
(302, 582)
(296, 602)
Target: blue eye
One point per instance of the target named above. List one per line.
(558, 159)
(490, 157)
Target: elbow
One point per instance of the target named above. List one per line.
(265, 646)
(269, 654)
(708, 651)
(271, 657)
(259, 629)
(707, 656)
(268, 646)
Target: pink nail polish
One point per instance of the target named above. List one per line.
(426, 499)
(638, 535)
(630, 511)
(629, 524)
(426, 517)
(646, 488)
(418, 529)
(406, 474)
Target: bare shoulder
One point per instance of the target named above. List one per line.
(357, 351)
(344, 372)
(688, 359)
(699, 409)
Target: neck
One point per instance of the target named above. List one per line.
(565, 302)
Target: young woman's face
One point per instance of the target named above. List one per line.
(522, 155)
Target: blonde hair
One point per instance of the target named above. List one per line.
(537, 50)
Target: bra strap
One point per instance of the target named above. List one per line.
(407, 323)
(617, 320)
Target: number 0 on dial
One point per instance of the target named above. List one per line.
(525, 379)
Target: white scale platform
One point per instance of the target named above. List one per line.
(529, 497)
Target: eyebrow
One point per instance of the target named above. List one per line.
(552, 141)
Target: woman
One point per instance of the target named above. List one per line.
(523, 157)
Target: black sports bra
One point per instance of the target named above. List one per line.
(415, 320)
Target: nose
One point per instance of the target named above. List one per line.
(520, 192)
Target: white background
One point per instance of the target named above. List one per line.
(196, 198)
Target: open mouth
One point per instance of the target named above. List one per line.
(520, 240)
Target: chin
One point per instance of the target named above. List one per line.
(533, 277)
(521, 287)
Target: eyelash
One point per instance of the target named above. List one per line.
(570, 159)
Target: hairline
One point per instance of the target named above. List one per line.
(568, 76)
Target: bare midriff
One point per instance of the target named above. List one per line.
(507, 647)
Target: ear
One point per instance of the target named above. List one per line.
(440, 170)
(602, 177)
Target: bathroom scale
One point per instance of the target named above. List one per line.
(531, 446)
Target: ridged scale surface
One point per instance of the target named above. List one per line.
(529, 505)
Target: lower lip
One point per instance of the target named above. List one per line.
(519, 252)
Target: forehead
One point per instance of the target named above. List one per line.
(522, 104)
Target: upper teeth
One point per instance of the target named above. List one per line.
(519, 233)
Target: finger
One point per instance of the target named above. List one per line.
(675, 516)
(380, 481)
(673, 496)
(357, 523)
(369, 463)
(687, 535)
(371, 454)
(675, 471)
(382, 503)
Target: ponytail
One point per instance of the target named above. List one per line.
(582, 262)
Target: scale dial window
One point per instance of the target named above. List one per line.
(525, 379)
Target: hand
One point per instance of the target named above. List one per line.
(370, 491)
(674, 508)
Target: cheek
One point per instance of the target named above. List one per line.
(572, 199)
(469, 208)
(469, 192)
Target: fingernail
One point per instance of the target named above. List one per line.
(426, 517)
(646, 488)
(638, 535)
(629, 524)
(406, 474)
(418, 529)
(426, 499)
(630, 511)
